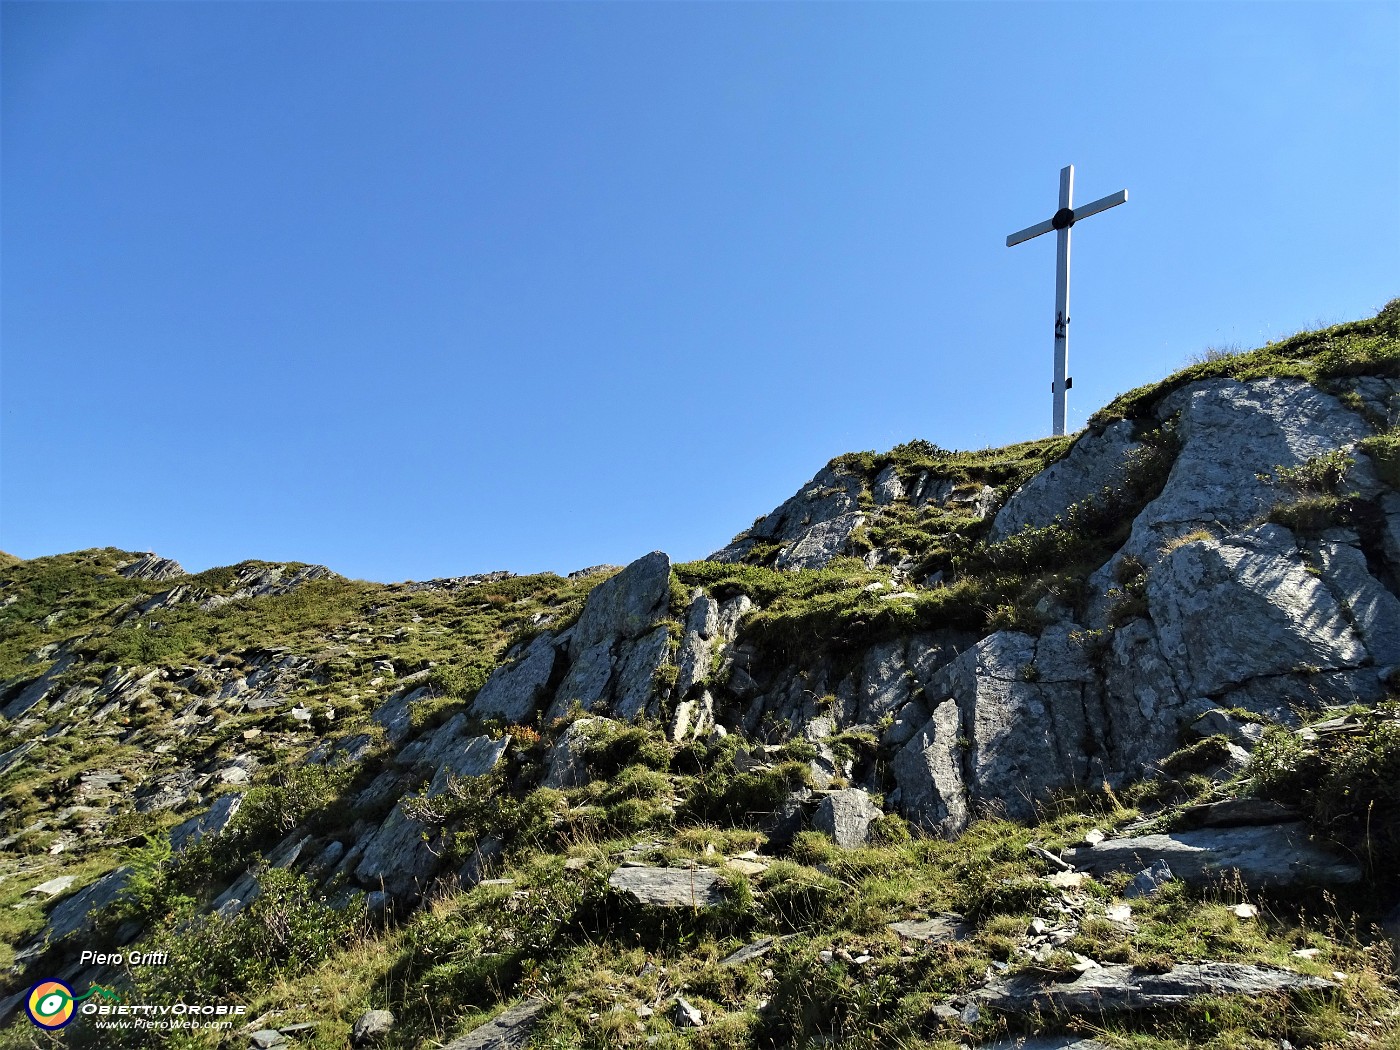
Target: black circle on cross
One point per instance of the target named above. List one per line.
(1062, 219)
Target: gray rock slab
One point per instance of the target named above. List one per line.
(625, 605)
(945, 927)
(1096, 461)
(588, 681)
(755, 950)
(1270, 856)
(1046, 1042)
(669, 887)
(846, 816)
(820, 543)
(517, 688)
(701, 626)
(509, 1030)
(1233, 610)
(211, 822)
(632, 692)
(53, 887)
(74, 914)
(1372, 608)
(1120, 989)
(1238, 812)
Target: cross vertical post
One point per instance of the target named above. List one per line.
(1058, 385)
(1060, 222)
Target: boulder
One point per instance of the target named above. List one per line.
(846, 816)
(371, 1026)
(701, 626)
(1265, 857)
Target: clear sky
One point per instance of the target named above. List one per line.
(426, 289)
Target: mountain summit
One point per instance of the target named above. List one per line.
(1089, 734)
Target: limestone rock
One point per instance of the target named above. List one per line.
(1270, 856)
(516, 688)
(1372, 609)
(669, 887)
(846, 816)
(946, 927)
(928, 770)
(1097, 461)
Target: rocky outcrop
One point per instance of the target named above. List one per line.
(1230, 433)
(1098, 460)
(1013, 719)
(396, 857)
(812, 526)
(520, 684)
(151, 567)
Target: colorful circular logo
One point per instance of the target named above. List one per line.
(50, 1004)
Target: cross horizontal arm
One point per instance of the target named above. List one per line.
(1102, 204)
(1030, 231)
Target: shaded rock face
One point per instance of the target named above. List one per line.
(395, 856)
(1013, 719)
(1097, 461)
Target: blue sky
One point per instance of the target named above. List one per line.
(425, 289)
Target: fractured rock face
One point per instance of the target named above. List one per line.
(516, 688)
(669, 887)
(1228, 611)
(813, 525)
(1097, 461)
(1009, 726)
(619, 643)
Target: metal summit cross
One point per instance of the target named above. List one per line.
(1061, 221)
